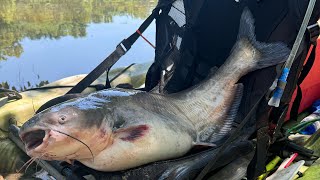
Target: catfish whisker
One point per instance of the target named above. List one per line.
(40, 157)
(77, 140)
(26, 163)
(35, 158)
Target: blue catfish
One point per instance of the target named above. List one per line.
(117, 129)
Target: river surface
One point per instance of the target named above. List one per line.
(45, 40)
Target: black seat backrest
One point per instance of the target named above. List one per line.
(210, 40)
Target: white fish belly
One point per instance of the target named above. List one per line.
(159, 143)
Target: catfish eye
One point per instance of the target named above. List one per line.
(62, 119)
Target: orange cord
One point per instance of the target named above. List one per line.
(145, 39)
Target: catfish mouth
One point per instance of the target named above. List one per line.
(33, 139)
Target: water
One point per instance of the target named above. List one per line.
(46, 40)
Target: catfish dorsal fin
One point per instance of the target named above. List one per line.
(131, 133)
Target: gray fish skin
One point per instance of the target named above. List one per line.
(208, 103)
(238, 168)
(104, 121)
(128, 128)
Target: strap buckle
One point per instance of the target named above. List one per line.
(314, 32)
(121, 48)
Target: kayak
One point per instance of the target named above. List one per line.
(19, 111)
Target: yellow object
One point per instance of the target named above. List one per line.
(12, 158)
(19, 111)
(270, 166)
(313, 172)
(302, 170)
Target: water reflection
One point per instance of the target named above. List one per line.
(36, 19)
(36, 24)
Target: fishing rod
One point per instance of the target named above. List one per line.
(282, 81)
(122, 72)
(108, 82)
(98, 86)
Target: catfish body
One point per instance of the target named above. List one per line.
(118, 129)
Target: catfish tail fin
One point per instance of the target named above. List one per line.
(262, 54)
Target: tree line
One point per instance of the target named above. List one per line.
(36, 19)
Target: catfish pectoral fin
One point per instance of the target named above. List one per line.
(215, 134)
(132, 133)
(231, 116)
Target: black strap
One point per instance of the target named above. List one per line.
(107, 63)
(189, 53)
(306, 68)
(97, 87)
(257, 164)
(314, 32)
(196, 8)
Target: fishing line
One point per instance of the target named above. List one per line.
(77, 140)
(34, 111)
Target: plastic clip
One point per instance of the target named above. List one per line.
(282, 81)
(314, 32)
(121, 48)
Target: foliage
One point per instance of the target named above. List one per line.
(5, 85)
(36, 19)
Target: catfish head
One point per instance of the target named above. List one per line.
(76, 129)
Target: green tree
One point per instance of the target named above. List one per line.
(54, 19)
